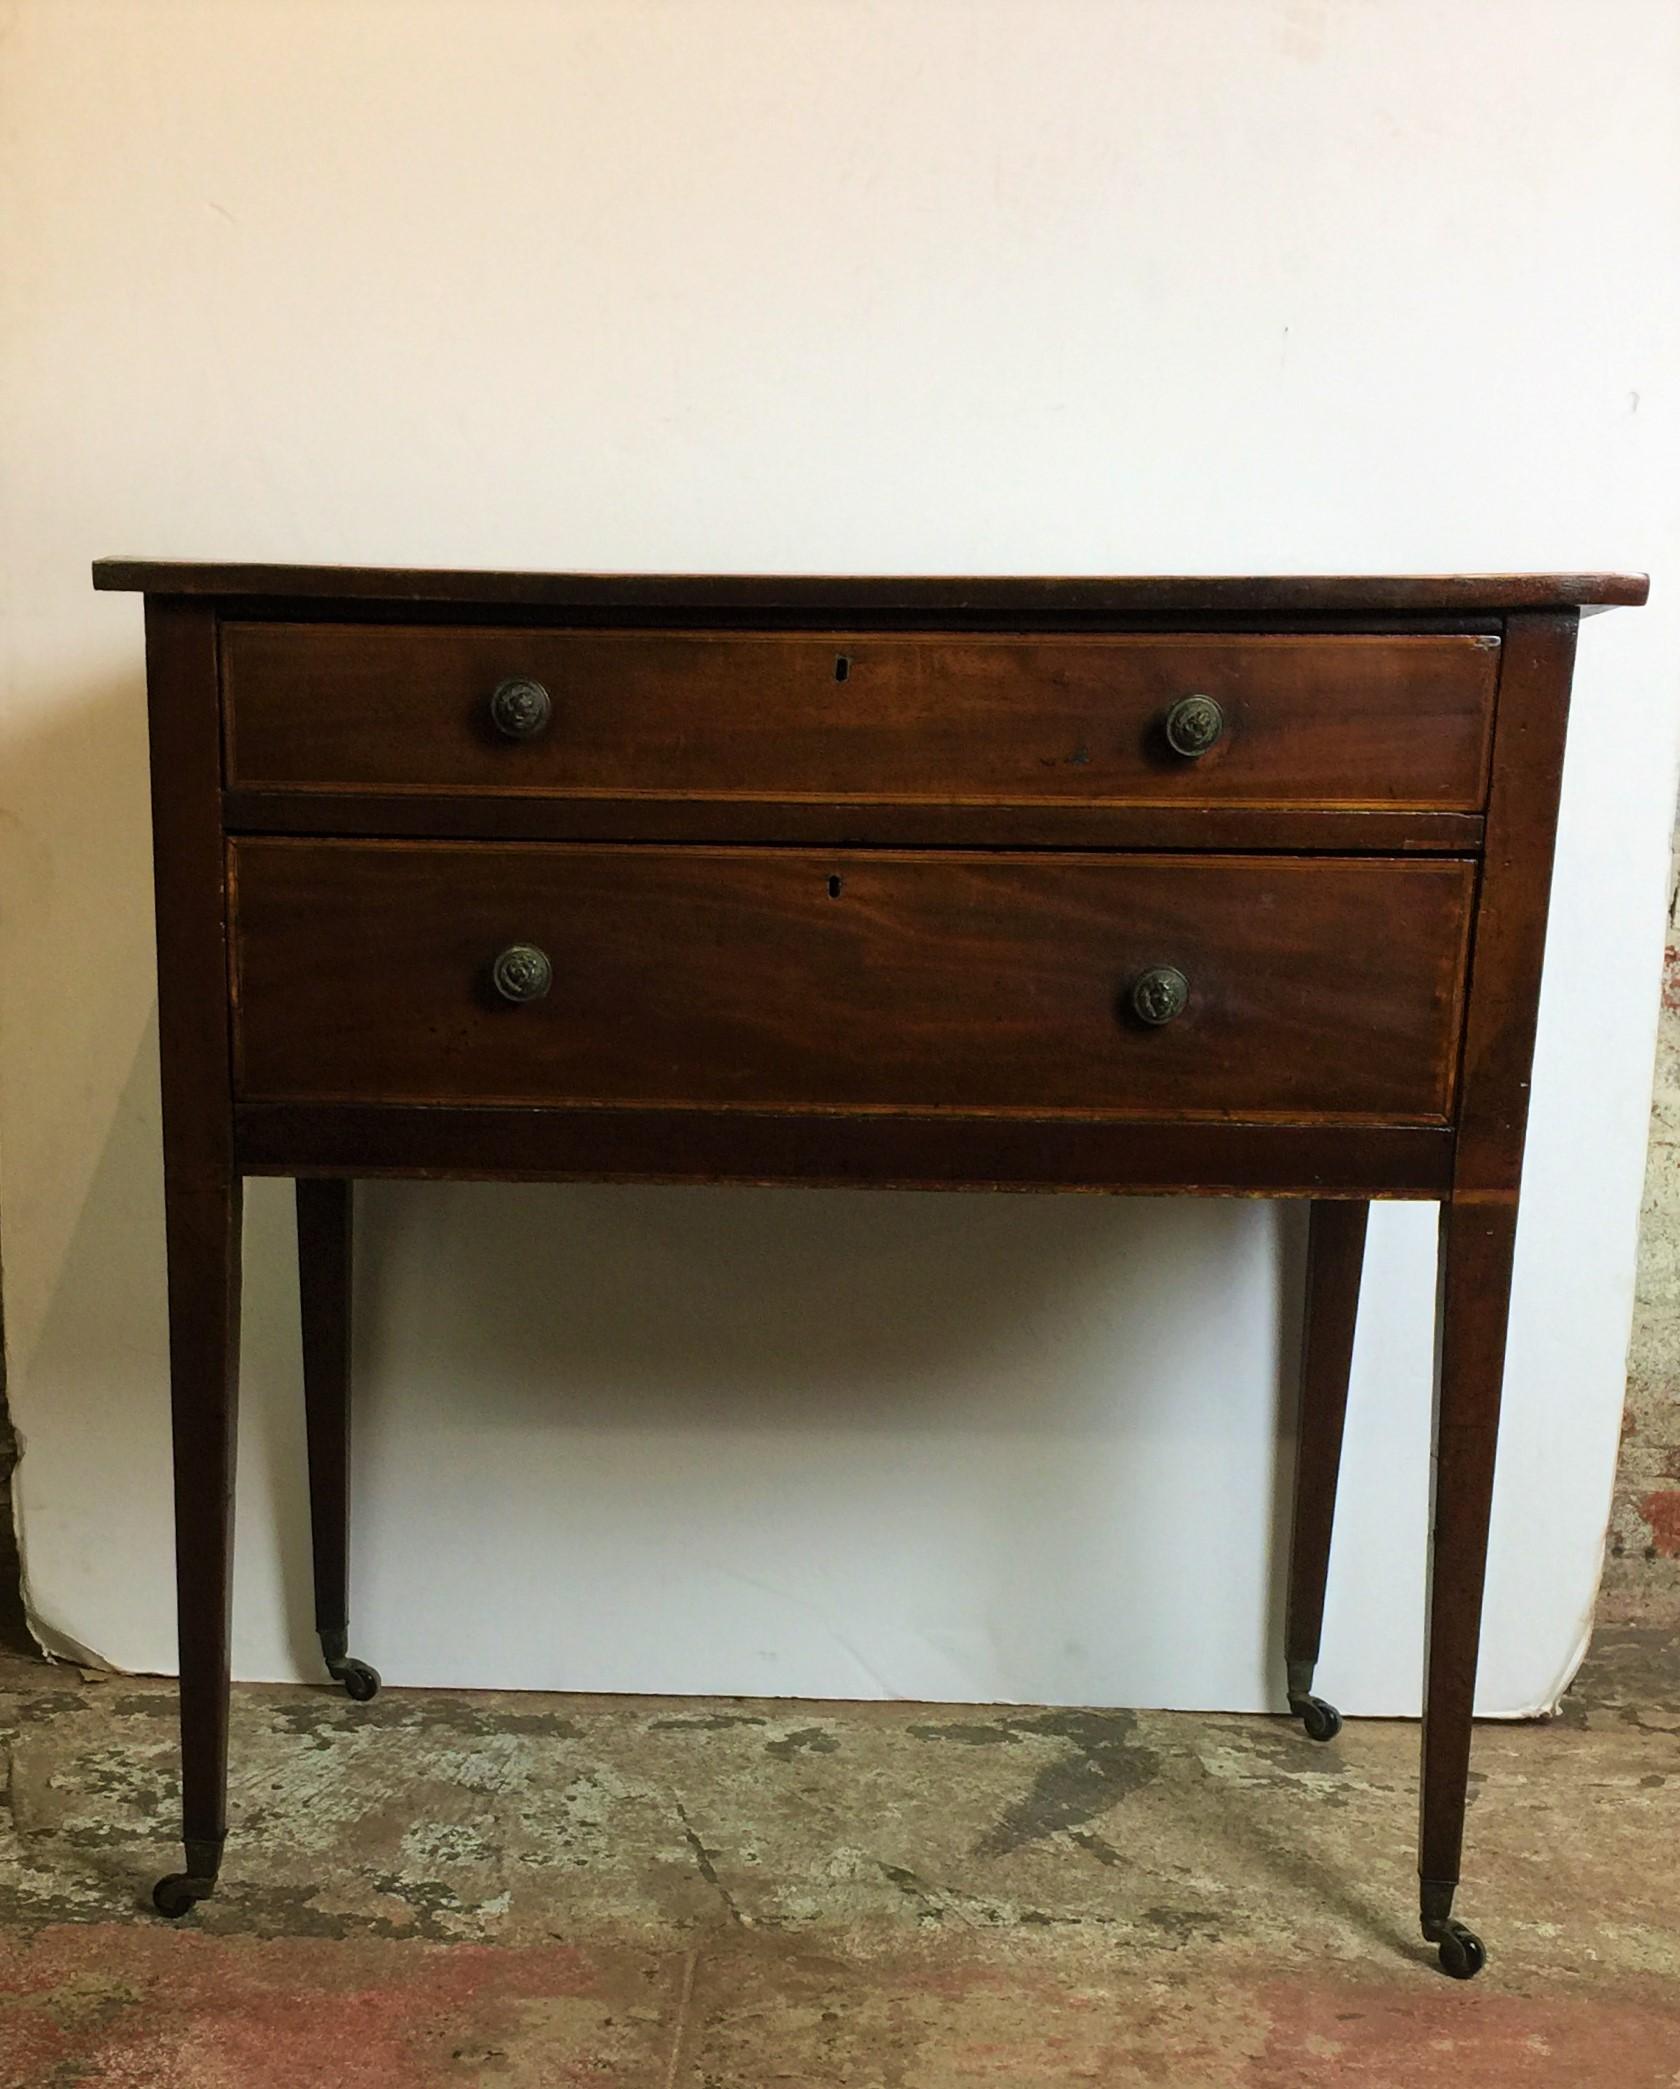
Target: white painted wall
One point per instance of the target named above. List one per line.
(1075, 285)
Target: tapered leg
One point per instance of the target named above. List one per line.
(1477, 1238)
(202, 1220)
(1335, 1261)
(324, 1265)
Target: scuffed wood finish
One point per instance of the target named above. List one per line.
(1036, 602)
(1332, 723)
(847, 881)
(916, 981)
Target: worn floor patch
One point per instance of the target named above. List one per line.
(130, 2004)
(507, 1890)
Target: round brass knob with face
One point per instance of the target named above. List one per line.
(1193, 726)
(520, 709)
(1159, 995)
(522, 973)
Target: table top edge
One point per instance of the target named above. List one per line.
(1226, 595)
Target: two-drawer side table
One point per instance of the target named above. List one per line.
(1215, 887)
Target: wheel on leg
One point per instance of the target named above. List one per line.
(1461, 1952)
(1319, 1718)
(177, 1893)
(360, 1681)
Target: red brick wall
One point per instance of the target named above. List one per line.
(1642, 1568)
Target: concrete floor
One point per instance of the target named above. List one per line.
(514, 1890)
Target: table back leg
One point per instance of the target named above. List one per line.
(324, 1234)
(1335, 1262)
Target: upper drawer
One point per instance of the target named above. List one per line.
(1373, 721)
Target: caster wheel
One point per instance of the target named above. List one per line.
(1319, 1719)
(1461, 1952)
(360, 1681)
(176, 1894)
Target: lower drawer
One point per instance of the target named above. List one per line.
(1161, 986)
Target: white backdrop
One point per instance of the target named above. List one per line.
(866, 285)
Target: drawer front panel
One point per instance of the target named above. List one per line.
(1314, 990)
(1387, 722)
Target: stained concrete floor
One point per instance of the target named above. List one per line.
(451, 1889)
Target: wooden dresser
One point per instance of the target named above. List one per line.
(1222, 887)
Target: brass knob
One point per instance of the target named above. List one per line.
(522, 972)
(520, 709)
(1159, 995)
(1193, 725)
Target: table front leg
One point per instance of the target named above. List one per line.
(1477, 1239)
(324, 1284)
(202, 1223)
(1335, 1264)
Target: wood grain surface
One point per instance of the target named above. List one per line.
(1335, 722)
(791, 978)
(1036, 600)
